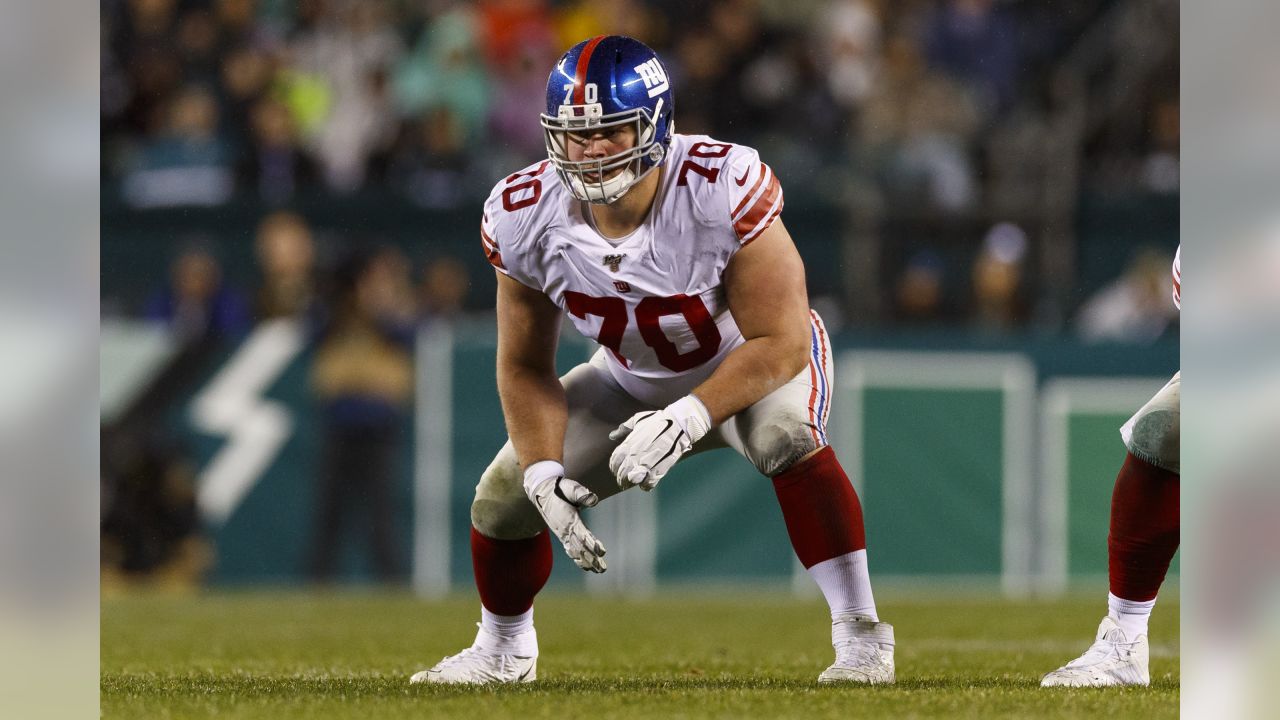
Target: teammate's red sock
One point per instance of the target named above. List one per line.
(1144, 529)
(509, 573)
(822, 512)
(824, 520)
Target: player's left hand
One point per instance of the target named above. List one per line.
(653, 441)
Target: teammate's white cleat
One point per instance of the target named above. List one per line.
(1112, 659)
(864, 651)
(489, 660)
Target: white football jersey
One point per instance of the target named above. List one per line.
(655, 298)
(1177, 278)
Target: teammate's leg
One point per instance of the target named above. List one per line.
(1142, 541)
(784, 436)
(511, 548)
(1140, 545)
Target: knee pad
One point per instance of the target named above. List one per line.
(777, 442)
(1154, 432)
(501, 510)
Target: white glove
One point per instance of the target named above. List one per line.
(655, 440)
(558, 499)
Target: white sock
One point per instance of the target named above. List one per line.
(506, 625)
(846, 584)
(1130, 615)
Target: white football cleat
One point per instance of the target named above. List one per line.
(1112, 659)
(490, 660)
(864, 651)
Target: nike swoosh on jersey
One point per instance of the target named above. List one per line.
(742, 179)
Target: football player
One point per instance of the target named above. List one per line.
(668, 251)
(1142, 540)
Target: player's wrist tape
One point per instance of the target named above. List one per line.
(539, 471)
(692, 416)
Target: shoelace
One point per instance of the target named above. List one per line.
(451, 660)
(1103, 649)
(505, 663)
(857, 651)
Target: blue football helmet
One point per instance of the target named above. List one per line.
(600, 83)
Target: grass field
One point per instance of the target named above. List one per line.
(321, 656)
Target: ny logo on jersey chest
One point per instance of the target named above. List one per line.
(613, 261)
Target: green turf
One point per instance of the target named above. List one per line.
(298, 655)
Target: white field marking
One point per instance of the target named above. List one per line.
(1061, 398)
(232, 405)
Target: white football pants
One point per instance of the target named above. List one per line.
(772, 434)
(1154, 433)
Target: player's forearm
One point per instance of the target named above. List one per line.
(534, 408)
(753, 370)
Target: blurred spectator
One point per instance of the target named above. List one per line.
(273, 165)
(150, 528)
(580, 19)
(521, 47)
(432, 166)
(698, 67)
(238, 18)
(999, 296)
(920, 292)
(148, 58)
(848, 46)
(918, 128)
(1160, 168)
(976, 42)
(773, 84)
(445, 69)
(286, 258)
(198, 40)
(443, 292)
(353, 49)
(245, 75)
(737, 26)
(148, 21)
(517, 28)
(363, 379)
(1136, 306)
(307, 95)
(189, 164)
(195, 304)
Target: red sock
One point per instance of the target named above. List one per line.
(822, 512)
(509, 573)
(1144, 529)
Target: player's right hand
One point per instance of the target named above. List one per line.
(558, 499)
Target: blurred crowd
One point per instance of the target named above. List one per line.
(204, 98)
(197, 303)
(894, 108)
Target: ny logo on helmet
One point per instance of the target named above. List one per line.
(655, 79)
